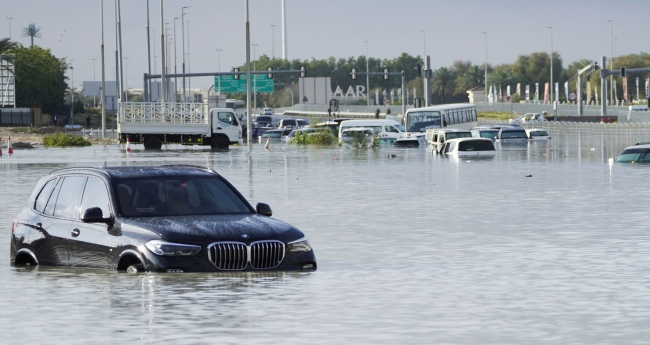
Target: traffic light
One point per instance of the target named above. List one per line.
(270, 74)
(236, 71)
(418, 70)
(385, 73)
(354, 73)
(622, 72)
(303, 71)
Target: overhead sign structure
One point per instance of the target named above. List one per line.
(7, 81)
(261, 83)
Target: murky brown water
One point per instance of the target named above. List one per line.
(545, 243)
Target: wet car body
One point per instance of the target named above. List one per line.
(152, 238)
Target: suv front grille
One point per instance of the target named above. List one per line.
(238, 256)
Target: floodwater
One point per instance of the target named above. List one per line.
(547, 243)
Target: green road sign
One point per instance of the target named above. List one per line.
(227, 83)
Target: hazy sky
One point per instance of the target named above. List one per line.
(323, 28)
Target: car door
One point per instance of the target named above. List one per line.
(90, 247)
(48, 236)
(60, 211)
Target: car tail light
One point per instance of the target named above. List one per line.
(14, 224)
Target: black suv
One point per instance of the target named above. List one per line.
(159, 219)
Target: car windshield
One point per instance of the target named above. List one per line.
(454, 135)
(488, 134)
(176, 196)
(514, 135)
(476, 145)
(634, 155)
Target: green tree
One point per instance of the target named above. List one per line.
(40, 79)
(32, 31)
(443, 82)
(6, 45)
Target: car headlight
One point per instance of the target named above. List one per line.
(300, 245)
(164, 248)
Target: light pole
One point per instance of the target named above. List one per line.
(175, 49)
(424, 40)
(485, 79)
(254, 77)
(71, 94)
(94, 100)
(551, 57)
(611, 63)
(183, 33)
(10, 18)
(219, 68)
(273, 41)
(168, 53)
(367, 75)
(126, 80)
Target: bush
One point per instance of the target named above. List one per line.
(60, 139)
(321, 137)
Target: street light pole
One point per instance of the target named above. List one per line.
(254, 45)
(367, 75)
(424, 40)
(10, 18)
(175, 49)
(273, 41)
(485, 79)
(551, 57)
(126, 80)
(219, 68)
(71, 94)
(94, 100)
(611, 63)
(183, 33)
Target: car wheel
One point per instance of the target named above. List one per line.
(153, 143)
(135, 268)
(220, 142)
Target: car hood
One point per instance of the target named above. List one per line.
(211, 228)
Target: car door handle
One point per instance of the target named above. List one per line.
(75, 232)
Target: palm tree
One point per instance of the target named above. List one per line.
(32, 31)
(6, 45)
(443, 81)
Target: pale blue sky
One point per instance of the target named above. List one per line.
(320, 29)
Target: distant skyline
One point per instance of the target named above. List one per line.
(71, 29)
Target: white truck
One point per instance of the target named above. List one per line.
(154, 124)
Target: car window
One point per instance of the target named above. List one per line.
(51, 202)
(180, 195)
(95, 195)
(479, 145)
(228, 118)
(44, 195)
(68, 198)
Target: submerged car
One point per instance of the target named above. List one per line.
(469, 147)
(639, 153)
(537, 134)
(152, 219)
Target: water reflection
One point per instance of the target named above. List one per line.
(544, 243)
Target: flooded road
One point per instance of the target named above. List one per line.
(545, 243)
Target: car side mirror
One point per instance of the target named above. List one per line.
(264, 209)
(95, 215)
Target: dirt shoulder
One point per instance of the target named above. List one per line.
(21, 136)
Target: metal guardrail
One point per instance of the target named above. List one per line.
(156, 112)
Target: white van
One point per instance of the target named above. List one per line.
(380, 128)
(638, 113)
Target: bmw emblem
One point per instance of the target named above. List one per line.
(244, 236)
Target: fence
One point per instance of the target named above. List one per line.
(15, 116)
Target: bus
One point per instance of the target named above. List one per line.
(238, 106)
(454, 116)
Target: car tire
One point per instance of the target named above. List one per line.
(135, 268)
(220, 142)
(153, 143)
